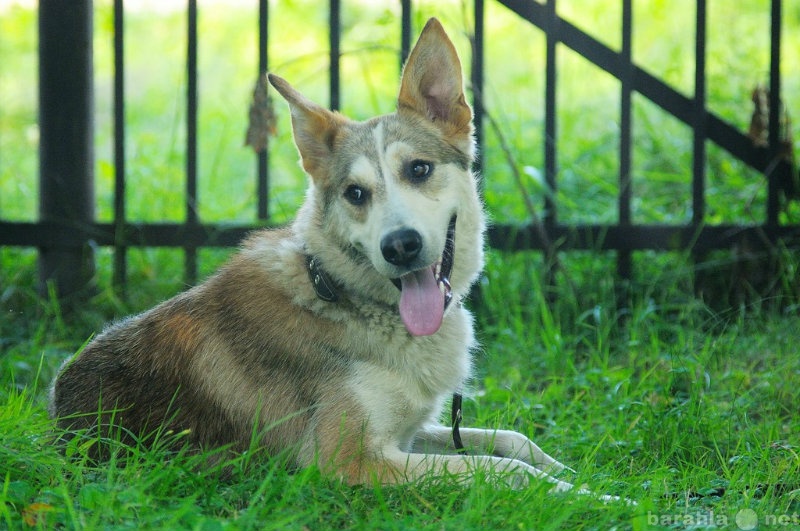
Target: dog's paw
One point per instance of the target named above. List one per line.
(605, 498)
(516, 480)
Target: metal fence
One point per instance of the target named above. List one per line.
(67, 230)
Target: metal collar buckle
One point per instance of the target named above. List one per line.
(322, 283)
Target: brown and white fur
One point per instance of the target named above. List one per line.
(350, 385)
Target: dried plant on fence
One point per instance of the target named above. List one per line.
(261, 117)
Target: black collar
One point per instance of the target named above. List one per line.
(322, 283)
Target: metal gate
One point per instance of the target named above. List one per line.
(67, 230)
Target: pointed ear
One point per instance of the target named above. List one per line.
(432, 83)
(314, 127)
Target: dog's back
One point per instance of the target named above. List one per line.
(204, 363)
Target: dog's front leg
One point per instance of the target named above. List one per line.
(511, 453)
(502, 443)
(515, 473)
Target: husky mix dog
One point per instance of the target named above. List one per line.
(340, 338)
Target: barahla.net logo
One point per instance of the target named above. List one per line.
(744, 519)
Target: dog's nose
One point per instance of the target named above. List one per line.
(401, 246)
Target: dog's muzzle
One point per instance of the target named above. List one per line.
(425, 293)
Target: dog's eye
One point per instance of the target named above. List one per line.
(356, 195)
(419, 170)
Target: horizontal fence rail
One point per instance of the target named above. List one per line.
(66, 236)
(584, 237)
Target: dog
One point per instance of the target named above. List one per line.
(340, 338)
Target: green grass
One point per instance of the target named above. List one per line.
(654, 395)
(664, 403)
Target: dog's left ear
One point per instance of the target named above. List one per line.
(433, 86)
(314, 127)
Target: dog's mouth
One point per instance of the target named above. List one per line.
(426, 293)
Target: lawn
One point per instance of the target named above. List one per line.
(688, 412)
(682, 405)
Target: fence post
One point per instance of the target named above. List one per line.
(66, 157)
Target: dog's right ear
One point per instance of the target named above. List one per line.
(432, 85)
(314, 127)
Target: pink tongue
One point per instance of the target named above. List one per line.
(421, 302)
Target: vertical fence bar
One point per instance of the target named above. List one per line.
(700, 118)
(699, 128)
(550, 146)
(624, 263)
(550, 153)
(120, 250)
(190, 273)
(262, 158)
(476, 76)
(335, 46)
(405, 31)
(773, 177)
(66, 154)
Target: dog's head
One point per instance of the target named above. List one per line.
(393, 202)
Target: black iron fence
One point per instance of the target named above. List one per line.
(67, 231)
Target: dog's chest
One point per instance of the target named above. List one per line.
(403, 382)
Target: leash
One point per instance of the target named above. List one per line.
(325, 290)
(455, 417)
